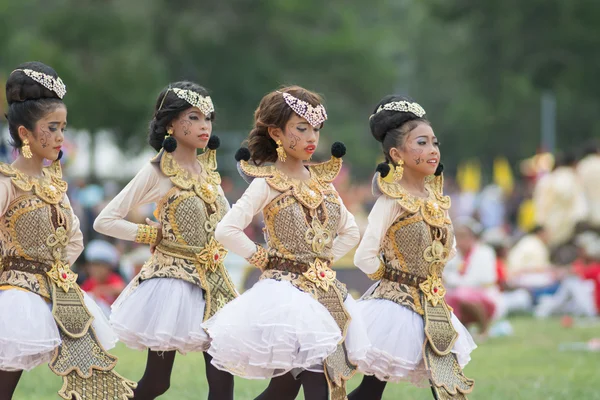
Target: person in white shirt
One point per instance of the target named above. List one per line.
(471, 277)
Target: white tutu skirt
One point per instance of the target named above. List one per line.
(397, 336)
(161, 314)
(28, 331)
(274, 328)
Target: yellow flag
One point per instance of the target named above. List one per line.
(503, 175)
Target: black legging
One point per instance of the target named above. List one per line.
(8, 383)
(285, 387)
(157, 378)
(370, 388)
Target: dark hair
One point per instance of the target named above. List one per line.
(274, 112)
(391, 127)
(565, 159)
(168, 106)
(28, 100)
(591, 147)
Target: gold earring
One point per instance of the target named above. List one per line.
(399, 171)
(25, 149)
(281, 154)
(170, 131)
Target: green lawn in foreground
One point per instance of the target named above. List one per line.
(525, 366)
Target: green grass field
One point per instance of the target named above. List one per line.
(525, 366)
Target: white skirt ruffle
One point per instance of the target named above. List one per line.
(162, 314)
(28, 331)
(274, 328)
(397, 336)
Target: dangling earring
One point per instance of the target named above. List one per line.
(169, 144)
(399, 171)
(25, 149)
(281, 154)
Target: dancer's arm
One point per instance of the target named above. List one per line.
(144, 188)
(382, 216)
(348, 234)
(230, 230)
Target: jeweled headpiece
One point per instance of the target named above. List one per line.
(195, 99)
(49, 82)
(315, 115)
(402, 106)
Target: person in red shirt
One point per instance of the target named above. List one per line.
(587, 266)
(103, 283)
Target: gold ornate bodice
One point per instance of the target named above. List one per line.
(34, 231)
(418, 244)
(189, 214)
(301, 223)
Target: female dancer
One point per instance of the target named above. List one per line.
(408, 241)
(185, 281)
(297, 317)
(45, 316)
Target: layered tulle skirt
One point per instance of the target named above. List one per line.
(274, 328)
(397, 335)
(161, 314)
(28, 331)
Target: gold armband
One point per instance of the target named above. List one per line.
(146, 234)
(377, 275)
(260, 259)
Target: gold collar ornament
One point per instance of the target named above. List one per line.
(434, 208)
(50, 187)
(311, 192)
(205, 185)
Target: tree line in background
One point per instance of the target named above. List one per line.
(478, 68)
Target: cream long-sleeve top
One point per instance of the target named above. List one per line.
(230, 230)
(384, 213)
(150, 185)
(8, 193)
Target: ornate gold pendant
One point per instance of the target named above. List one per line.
(62, 276)
(433, 289)
(212, 255)
(320, 274)
(317, 236)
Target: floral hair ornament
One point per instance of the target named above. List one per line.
(402, 106)
(315, 115)
(49, 82)
(204, 103)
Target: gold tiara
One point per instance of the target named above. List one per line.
(204, 103)
(49, 82)
(315, 115)
(402, 106)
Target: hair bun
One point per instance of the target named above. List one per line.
(243, 154)
(383, 169)
(338, 149)
(20, 87)
(213, 143)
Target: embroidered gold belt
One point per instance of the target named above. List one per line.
(403, 278)
(25, 265)
(208, 262)
(317, 279)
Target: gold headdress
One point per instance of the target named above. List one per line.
(402, 106)
(315, 115)
(204, 103)
(49, 82)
